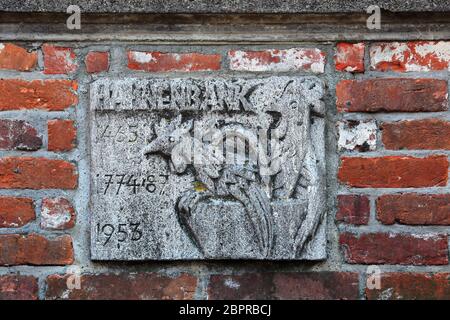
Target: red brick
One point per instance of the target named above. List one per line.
(17, 287)
(18, 135)
(389, 248)
(13, 57)
(35, 249)
(59, 60)
(62, 135)
(97, 61)
(411, 286)
(51, 95)
(163, 62)
(349, 57)
(125, 286)
(414, 209)
(353, 209)
(16, 212)
(394, 172)
(37, 173)
(284, 286)
(410, 56)
(429, 134)
(392, 95)
(57, 214)
(276, 60)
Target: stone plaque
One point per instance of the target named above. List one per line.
(210, 168)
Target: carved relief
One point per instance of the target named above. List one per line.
(244, 161)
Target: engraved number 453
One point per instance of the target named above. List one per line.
(127, 133)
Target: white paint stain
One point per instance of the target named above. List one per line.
(289, 60)
(343, 53)
(399, 51)
(230, 283)
(441, 50)
(56, 218)
(386, 294)
(426, 236)
(177, 56)
(143, 57)
(353, 136)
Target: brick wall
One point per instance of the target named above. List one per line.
(388, 143)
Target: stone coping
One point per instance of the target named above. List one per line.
(224, 6)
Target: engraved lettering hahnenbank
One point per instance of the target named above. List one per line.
(210, 168)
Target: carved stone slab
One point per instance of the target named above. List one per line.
(210, 168)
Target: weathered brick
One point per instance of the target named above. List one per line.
(57, 214)
(18, 135)
(349, 57)
(62, 135)
(394, 172)
(59, 60)
(410, 56)
(391, 248)
(284, 286)
(97, 61)
(414, 209)
(278, 60)
(18, 287)
(51, 95)
(428, 134)
(357, 135)
(411, 286)
(163, 62)
(37, 173)
(35, 249)
(16, 212)
(392, 95)
(353, 209)
(125, 286)
(13, 57)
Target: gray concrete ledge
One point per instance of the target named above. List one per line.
(224, 6)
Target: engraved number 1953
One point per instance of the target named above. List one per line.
(122, 231)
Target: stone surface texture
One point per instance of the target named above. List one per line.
(226, 6)
(170, 183)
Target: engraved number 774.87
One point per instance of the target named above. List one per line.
(119, 182)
